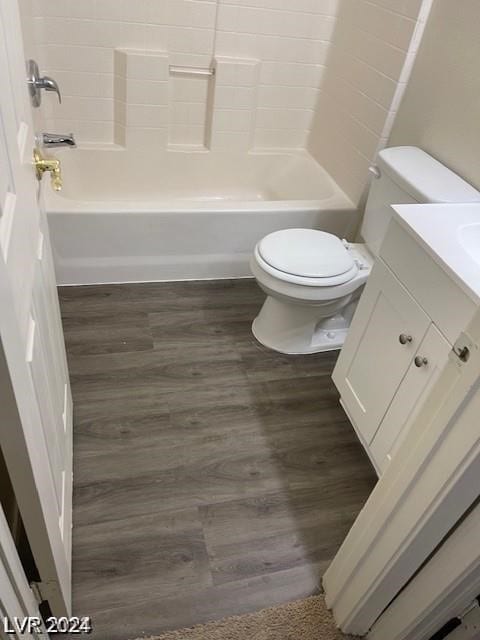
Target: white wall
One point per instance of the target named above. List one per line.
(291, 40)
(322, 74)
(368, 65)
(287, 40)
(441, 109)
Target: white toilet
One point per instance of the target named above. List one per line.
(313, 279)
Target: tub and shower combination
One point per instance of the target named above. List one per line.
(175, 215)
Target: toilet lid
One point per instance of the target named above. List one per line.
(306, 253)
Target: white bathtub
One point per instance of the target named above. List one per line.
(133, 218)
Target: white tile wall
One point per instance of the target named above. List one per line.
(76, 43)
(291, 40)
(77, 40)
(327, 74)
(234, 103)
(369, 63)
(189, 102)
(141, 92)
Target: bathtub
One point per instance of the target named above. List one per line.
(124, 217)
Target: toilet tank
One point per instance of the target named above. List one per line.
(405, 175)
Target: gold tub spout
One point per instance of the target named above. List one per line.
(52, 165)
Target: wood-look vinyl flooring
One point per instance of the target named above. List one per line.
(211, 476)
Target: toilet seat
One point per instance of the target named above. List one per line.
(307, 257)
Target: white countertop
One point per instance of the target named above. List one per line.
(438, 228)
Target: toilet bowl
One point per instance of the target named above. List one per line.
(312, 280)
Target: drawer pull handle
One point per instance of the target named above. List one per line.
(404, 338)
(420, 361)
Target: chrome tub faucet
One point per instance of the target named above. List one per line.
(50, 140)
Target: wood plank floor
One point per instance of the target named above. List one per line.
(211, 476)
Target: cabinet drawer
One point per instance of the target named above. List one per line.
(409, 398)
(443, 300)
(373, 361)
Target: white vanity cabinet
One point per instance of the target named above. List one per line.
(398, 343)
(428, 362)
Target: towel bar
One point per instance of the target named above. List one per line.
(191, 71)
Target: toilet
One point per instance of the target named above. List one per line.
(313, 279)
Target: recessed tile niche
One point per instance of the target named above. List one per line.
(171, 105)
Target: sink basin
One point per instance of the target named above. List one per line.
(450, 233)
(469, 238)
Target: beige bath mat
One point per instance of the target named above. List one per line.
(306, 619)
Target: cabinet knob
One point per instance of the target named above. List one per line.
(404, 338)
(420, 361)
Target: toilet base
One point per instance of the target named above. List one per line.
(301, 329)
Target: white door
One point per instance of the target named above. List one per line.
(35, 414)
(373, 361)
(19, 616)
(444, 588)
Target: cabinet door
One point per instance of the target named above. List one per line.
(373, 361)
(410, 396)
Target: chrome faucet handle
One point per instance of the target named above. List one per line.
(49, 84)
(57, 140)
(36, 84)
